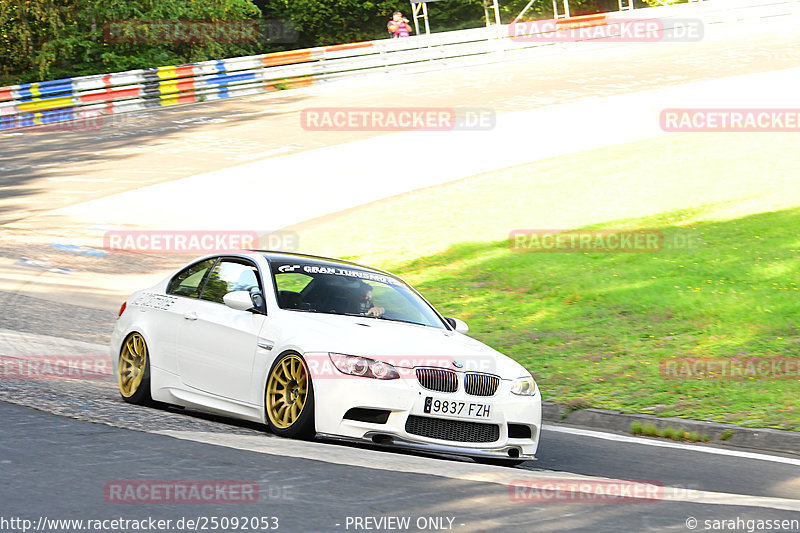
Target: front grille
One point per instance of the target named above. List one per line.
(481, 384)
(437, 379)
(452, 430)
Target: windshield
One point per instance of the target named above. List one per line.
(343, 290)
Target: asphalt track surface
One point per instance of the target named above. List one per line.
(66, 464)
(57, 465)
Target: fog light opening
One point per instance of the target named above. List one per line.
(513, 453)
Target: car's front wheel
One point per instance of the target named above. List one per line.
(289, 398)
(133, 374)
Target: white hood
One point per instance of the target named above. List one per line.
(401, 344)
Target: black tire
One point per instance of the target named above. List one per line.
(132, 389)
(279, 396)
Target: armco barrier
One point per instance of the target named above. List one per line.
(88, 97)
(91, 96)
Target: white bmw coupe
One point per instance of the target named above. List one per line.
(317, 347)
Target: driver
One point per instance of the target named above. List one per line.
(365, 302)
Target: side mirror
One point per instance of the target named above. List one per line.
(458, 325)
(257, 298)
(239, 300)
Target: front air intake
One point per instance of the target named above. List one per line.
(363, 414)
(452, 430)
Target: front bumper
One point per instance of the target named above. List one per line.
(404, 397)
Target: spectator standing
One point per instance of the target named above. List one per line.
(399, 26)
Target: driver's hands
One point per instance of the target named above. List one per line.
(375, 311)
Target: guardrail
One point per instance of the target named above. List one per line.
(94, 96)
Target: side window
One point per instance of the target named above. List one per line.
(188, 281)
(228, 276)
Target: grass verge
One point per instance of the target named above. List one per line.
(597, 328)
(680, 434)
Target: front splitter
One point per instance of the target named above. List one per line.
(388, 440)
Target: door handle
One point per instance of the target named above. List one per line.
(190, 316)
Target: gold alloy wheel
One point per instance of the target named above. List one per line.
(132, 364)
(287, 391)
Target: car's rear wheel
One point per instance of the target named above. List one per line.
(133, 374)
(289, 398)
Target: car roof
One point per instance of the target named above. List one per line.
(275, 255)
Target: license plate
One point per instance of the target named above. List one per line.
(435, 406)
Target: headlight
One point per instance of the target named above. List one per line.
(524, 386)
(361, 366)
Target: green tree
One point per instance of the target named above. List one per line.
(29, 32)
(46, 38)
